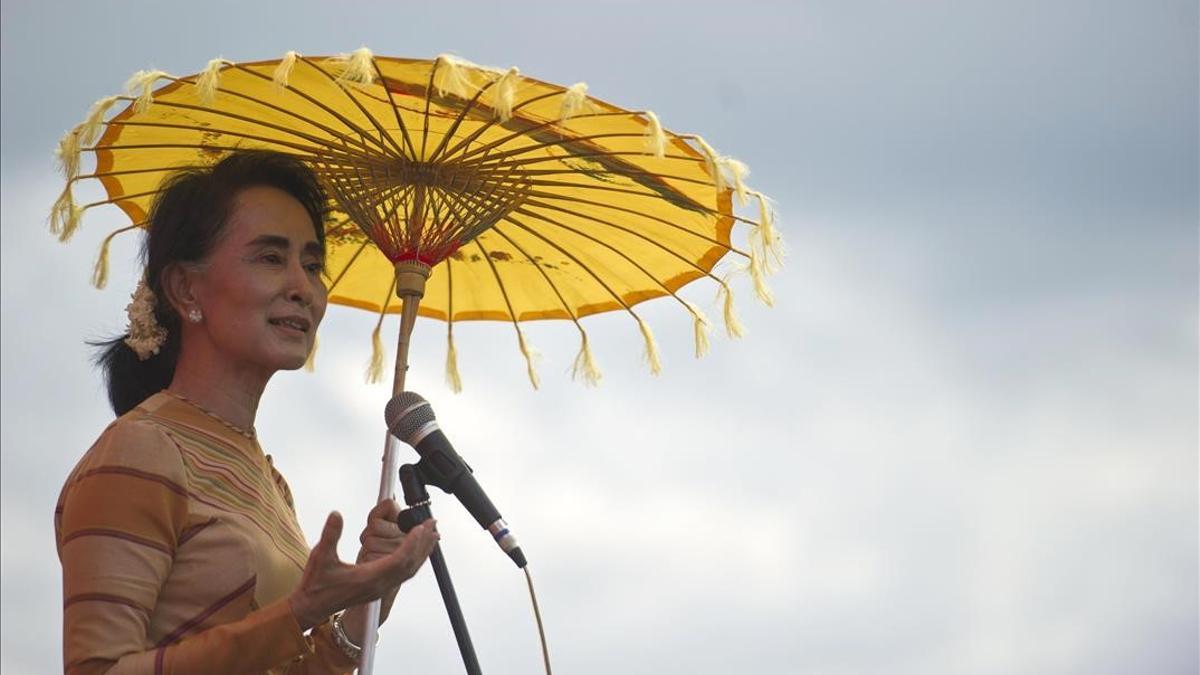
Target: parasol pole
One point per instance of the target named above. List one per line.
(410, 286)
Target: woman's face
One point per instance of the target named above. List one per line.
(260, 291)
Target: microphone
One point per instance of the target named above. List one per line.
(410, 418)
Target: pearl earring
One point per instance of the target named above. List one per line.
(194, 315)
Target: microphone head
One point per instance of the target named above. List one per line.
(406, 413)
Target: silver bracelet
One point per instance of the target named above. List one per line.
(343, 641)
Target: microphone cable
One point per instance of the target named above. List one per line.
(537, 614)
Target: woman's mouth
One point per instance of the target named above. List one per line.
(296, 324)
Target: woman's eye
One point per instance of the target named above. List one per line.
(273, 258)
(314, 267)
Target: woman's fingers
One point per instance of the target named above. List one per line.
(330, 534)
(387, 510)
(420, 546)
(402, 563)
(328, 585)
(381, 535)
(307, 604)
(381, 528)
(382, 519)
(373, 548)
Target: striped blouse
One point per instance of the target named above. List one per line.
(179, 546)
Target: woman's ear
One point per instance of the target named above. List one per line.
(178, 284)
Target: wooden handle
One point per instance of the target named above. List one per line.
(410, 286)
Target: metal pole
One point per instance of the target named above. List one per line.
(417, 499)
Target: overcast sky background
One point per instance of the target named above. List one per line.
(964, 441)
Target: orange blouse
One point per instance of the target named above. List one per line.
(179, 546)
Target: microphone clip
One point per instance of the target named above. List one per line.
(442, 468)
(417, 498)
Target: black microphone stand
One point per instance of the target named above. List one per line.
(417, 499)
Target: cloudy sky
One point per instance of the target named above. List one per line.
(964, 440)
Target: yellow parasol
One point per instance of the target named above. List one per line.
(519, 199)
(464, 192)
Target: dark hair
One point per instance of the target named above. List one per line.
(186, 221)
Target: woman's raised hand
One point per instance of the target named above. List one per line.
(330, 585)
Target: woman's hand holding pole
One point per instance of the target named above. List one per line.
(386, 561)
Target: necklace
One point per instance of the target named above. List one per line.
(242, 432)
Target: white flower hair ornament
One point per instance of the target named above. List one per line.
(145, 335)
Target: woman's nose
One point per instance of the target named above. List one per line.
(301, 298)
(299, 289)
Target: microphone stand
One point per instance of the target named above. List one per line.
(417, 499)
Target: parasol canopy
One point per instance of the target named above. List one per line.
(522, 199)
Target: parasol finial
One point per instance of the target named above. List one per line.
(585, 363)
(700, 328)
(453, 379)
(68, 153)
(712, 162)
(656, 138)
(506, 94)
(574, 101)
(142, 83)
(91, 126)
(284, 70)
(209, 81)
(374, 371)
(530, 355)
(733, 325)
(451, 76)
(651, 347)
(738, 171)
(766, 236)
(358, 67)
(62, 210)
(757, 275)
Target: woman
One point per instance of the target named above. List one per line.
(178, 539)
